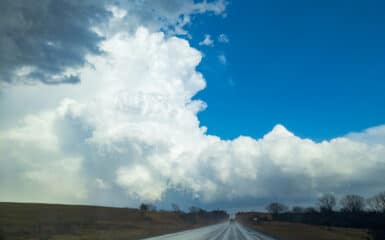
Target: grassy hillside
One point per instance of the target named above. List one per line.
(48, 221)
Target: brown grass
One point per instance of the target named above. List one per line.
(67, 222)
(297, 231)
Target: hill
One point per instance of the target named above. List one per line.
(75, 222)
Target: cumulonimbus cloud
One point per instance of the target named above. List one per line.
(131, 131)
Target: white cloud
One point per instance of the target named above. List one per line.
(102, 184)
(170, 16)
(374, 135)
(207, 41)
(131, 129)
(32, 160)
(140, 181)
(223, 38)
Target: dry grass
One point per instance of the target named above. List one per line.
(296, 231)
(66, 222)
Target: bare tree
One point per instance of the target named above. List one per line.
(194, 209)
(310, 210)
(143, 207)
(276, 208)
(327, 202)
(175, 207)
(352, 203)
(146, 207)
(297, 209)
(377, 202)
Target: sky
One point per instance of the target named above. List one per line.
(296, 63)
(218, 104)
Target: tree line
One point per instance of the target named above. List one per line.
(193, 215)
(327, 203)
(351, 210)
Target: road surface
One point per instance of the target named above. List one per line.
(222, 231)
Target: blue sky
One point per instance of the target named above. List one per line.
(108, 101)
(315, 66)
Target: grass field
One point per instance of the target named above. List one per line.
(67, 222)
(297, 231)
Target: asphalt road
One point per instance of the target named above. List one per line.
(222, 231)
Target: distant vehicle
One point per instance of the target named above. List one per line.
(232, 218)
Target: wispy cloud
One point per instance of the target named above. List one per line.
(222, 59)
(207, 41)
(223, 38)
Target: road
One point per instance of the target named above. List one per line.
(222, 231)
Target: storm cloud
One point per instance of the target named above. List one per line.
(48, 41)
(41, 40)
(131, 133)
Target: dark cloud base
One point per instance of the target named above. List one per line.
(50, 36)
